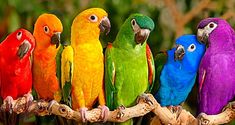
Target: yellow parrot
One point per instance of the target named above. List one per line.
(87, 81)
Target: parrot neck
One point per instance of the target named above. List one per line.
(81, 34)
(187, 64)
(222, 40)
(125, 37)
(125, 42)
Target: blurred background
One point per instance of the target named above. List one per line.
(172, 18)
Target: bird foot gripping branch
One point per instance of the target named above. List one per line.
(144, 97)
(225, 116)
(42, 108)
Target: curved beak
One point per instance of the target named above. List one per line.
(141, 36)
(23, 49)
(179, 52)
(202, 36)
(55, 39)
(105, 25)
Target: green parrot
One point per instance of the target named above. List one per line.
(129, 65)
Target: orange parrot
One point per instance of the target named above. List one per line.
(47, 30)
(87, 82)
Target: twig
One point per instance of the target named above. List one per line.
(225, 117)
(228, 14)
(42, 108)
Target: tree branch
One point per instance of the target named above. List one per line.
(180, 18)
(224, 117)
(228, 14)
(143, 107)
(195, 10)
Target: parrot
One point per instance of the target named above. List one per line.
(216, 80)
(15, 70)
(178, 74)
(88, 67)
(129, 64)
(47, 30)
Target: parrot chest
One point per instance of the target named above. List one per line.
(219, 84)
(44, 75)
(89, 71)
(131, 77)
(16, 78)
(175, 85)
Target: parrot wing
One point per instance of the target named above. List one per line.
(66, 73)
(160, 60)
(151, 68)
(109, 78)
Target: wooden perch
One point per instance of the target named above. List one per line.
(224, 117)
(143, 107)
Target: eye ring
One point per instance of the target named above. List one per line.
(93, 18)
(192, 48)
(133, 22)
(19, 35)
(46, 29)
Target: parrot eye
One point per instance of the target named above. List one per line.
(93, 18)
(211, 26)
(135, 26)
(19, 35)
(191, 48)
(46, 29)
(133, 22)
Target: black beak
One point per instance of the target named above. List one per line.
(202, 37)
(179, 52)
(55, 39)
(23, 49)
(105, 25)
(141, 36)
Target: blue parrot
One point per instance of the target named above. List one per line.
(178, 75)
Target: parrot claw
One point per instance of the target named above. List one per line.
(29, 100)
(23, 103)
(104, 112)
(120, 112)
(83, 114)
(202, 119)
(175, 110)
(8, 102)
(51, 103)
(145, 98)
(230, 105)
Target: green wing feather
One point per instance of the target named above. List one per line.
(160, 60)
(66, 73)
(109, 78)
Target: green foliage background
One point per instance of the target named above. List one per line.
(16, 14)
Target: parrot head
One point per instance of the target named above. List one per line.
(21, 42)
(47, 30)
(210, 29)
(136, 29)
(189, 49)
(89, 23)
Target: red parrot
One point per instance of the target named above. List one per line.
(15, 70)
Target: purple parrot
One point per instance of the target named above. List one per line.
(217, 68)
